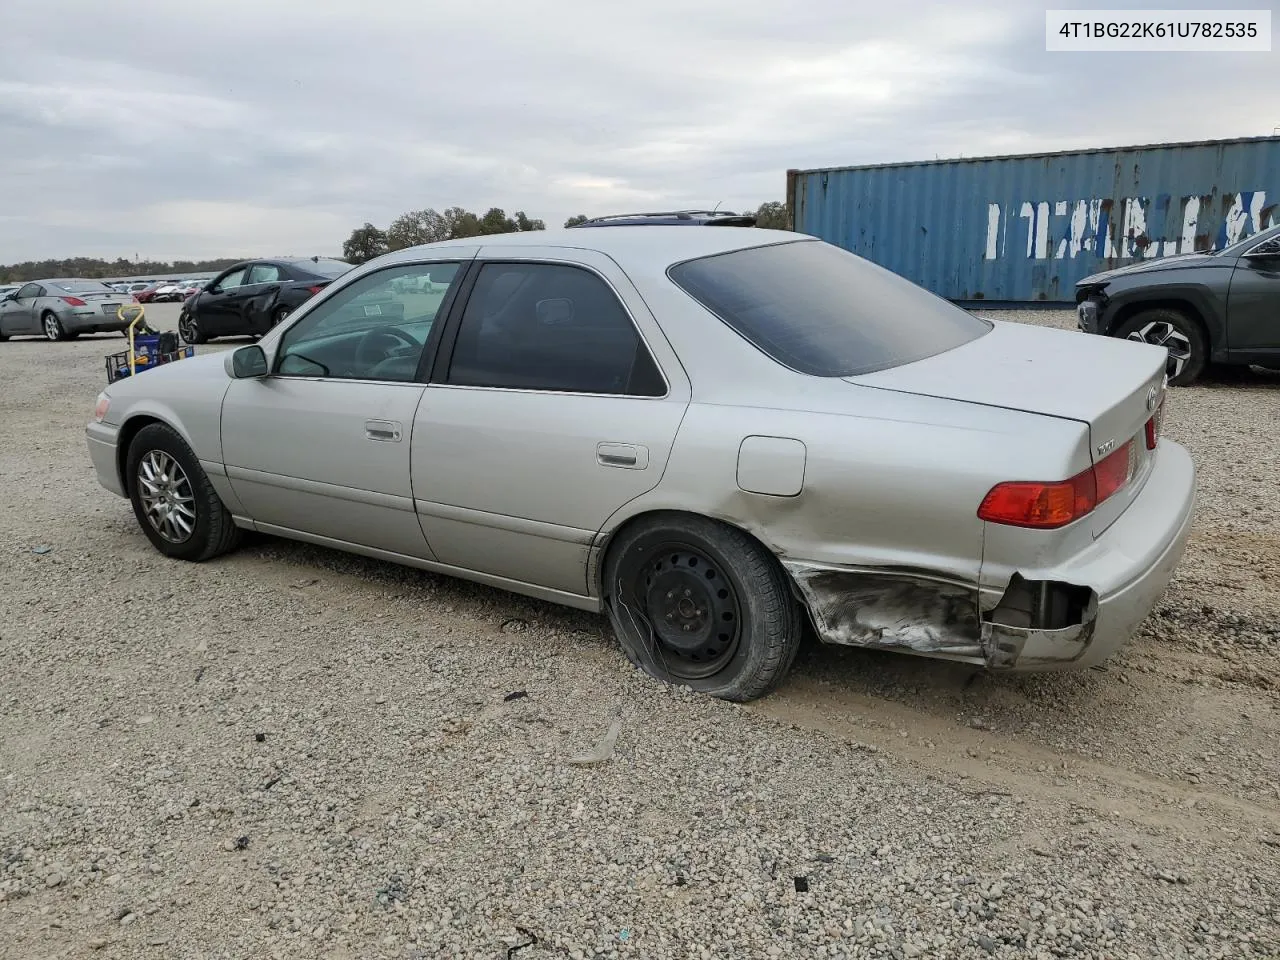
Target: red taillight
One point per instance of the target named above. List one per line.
(75, 301)
(1045, 506)
(1154, 425)
(314, 290)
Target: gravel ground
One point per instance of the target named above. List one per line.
(291, 752)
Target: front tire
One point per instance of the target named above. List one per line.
(189, 330)
(53, 329)
(1182, 336)
(696, 602)
(176, 505)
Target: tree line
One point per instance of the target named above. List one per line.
(365, 243)
(430, 226)
(94, 268)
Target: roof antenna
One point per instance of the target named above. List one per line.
(716, 207)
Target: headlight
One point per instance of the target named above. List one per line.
(101, 407)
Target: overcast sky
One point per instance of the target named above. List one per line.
(195, 129)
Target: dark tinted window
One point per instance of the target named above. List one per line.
(30, 291)
(541, 326)
(823, 311)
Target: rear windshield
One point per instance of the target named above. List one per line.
(83, 286)
(821, 310)
(329, 269)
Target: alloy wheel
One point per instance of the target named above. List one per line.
(1161, 333)
(51, 329)
(167, 498)
(693, 609)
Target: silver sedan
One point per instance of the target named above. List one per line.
(711, 436)
(62, 309)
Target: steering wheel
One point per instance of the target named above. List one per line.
(364, 353)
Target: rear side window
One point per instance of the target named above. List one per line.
(822, 311)
(543, 326)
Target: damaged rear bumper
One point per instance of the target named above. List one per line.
(1074, 614)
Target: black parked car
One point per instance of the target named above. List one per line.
(1207, 308)
(252, 297)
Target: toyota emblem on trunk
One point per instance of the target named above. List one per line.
(1151, 398)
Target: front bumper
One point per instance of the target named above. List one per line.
(102, 441)
(1107, 589)
(1088, 313)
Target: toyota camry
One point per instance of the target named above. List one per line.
(714, 437)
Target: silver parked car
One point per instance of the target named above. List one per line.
(61, 309)
(708, 434)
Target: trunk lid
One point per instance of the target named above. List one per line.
(1113, 386)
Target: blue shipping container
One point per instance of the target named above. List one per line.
(1020, 229)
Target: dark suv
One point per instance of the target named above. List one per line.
(1207, 308)
(674, 218)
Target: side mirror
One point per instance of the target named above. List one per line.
(248, 363)
(9, 296)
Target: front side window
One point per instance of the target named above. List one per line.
(543, 326)
(232, 280)
(373, 329)
(30, 291)
(821, 310)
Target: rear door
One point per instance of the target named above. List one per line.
(258, 295)
(554, 402)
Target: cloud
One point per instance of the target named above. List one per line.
(203, 129)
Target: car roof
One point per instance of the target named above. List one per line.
(652, 245)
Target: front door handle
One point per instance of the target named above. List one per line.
(628, 456)
(385, 430)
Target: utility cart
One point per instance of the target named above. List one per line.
(147, 348)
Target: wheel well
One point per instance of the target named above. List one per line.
(650, 516)
(1185, 307)
(128, 430)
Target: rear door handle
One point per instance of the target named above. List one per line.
(628, 456)
(384, 430)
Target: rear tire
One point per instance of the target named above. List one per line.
(1182, 336)
(278, 315)
(52, 326)
(176, 505)
(696, 602)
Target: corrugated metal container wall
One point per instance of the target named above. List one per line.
(1026, 228)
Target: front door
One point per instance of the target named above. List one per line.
(215, 309)
(19, 316)
(549, 414)
(1253, 305)
(322, 444)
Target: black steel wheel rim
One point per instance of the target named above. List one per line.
(693, 607)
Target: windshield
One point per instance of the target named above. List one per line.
(823, 311)
(83, 286)
(1234, 248)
